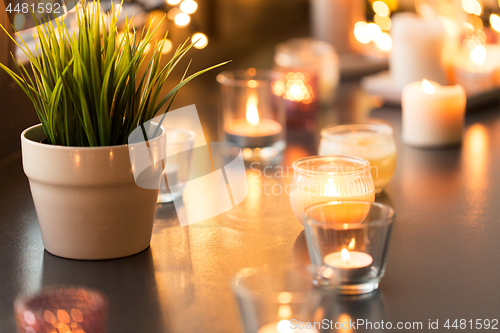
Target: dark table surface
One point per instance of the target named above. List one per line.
(443, 260)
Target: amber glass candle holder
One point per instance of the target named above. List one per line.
(349, 239)
(62, 309)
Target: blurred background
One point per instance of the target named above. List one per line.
(363, 33)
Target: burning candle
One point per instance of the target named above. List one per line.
(253, 131)
(285, 326)
(478, 70)
(351, 264)
(433, 115)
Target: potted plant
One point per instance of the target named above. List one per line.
(89, 95)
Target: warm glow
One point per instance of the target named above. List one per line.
(428, 87)
(182, 19)
(384, 22)
(373, 31)
(495, 22)
(345, 255)
(172, 13)
(200, 40)
(173, 2)
(352, 244)
(167, 46)
(284, 311)
(284, 326)
(252, 112)
(252, 84)
(188, 6)
(472, 7)
(381, 8)
(478, 55)
(360, 33)
(284, 297)
(384, 42)
(147, 48)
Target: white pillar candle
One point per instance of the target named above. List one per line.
(417, 50)
(433, 115)
(333, 21)
(478, 70)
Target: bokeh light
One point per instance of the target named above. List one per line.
(188, 6)
(200, 40)
(182, 19)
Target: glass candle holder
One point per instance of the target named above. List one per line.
(349, 238)
(68, 309)
(319, 179)
(177, 165)
(252, 116)
(373, 142)
(319, 65)
(280, 298)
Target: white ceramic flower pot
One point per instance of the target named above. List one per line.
(87, 202)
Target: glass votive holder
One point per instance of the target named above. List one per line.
(252, 116)
(281, 298)
(314, 58)
(177, 164)
(319, 179)
(371, 141)
(62, 309)
(350, 239)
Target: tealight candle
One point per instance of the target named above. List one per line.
(433, 115)
(253, 117)
(253, 131)
(285, 326)
(351, 264)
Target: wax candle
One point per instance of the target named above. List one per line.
(478, 70)
(350, 264)
(332, 178)
(333, 22)
(371, 141)
(285, 326)
(253, 131)
(417, 46)
(433, 115)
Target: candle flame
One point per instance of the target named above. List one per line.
(352, 244)
(428, 87)
(345, 255)
(478, 55)
(252, 112)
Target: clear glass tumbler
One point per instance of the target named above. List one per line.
(177, 164)
(371, 141)
(350, 239)
(252, 116)
(62, 309)
(281, 298)
(319, 179)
